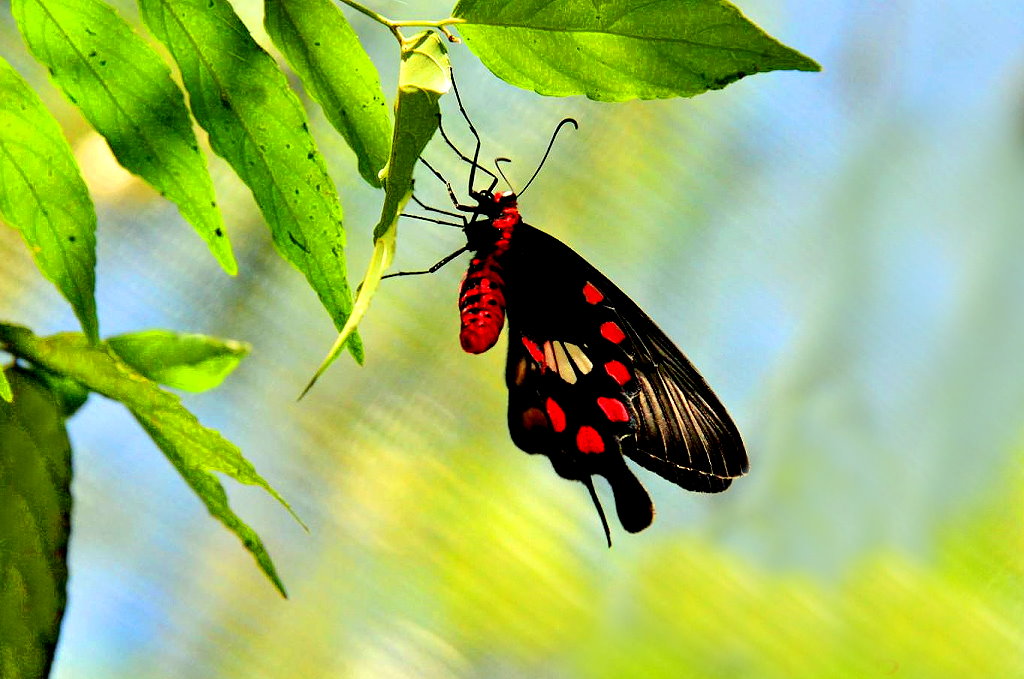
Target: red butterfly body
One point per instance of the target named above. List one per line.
(591, 378)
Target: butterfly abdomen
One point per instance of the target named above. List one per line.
(482, 297)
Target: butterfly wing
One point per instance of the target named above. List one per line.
(553, 410)
(591, 378)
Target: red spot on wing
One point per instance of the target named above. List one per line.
(612, 332)
(589, 441)
(533, 418)
(614, 409)
(592, 294)
(618, 372)
(535, 352)
(555, 414)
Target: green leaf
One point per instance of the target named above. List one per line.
(256, 123)
(326, 54)
(35, 520)
(43, 196)
(125, 91)
(615, 50)
(423, 77)
(180, 360)
(5, 388)
(72, 395)
(195, 451)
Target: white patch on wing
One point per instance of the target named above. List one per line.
(564, 365)
(583, 363)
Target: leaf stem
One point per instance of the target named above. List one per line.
(394, 26)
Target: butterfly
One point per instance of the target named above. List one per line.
(591, 379)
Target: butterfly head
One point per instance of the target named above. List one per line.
(504, 199)
(494, 204)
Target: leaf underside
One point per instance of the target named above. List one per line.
(621, 49)
(181, 360)
(125, 91)
(424, 76)
(42, 194)
(336, 71)
(35, 524)
(256, 123)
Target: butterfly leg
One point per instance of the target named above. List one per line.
(448, 185)
(475, 163)
(431, 269)
(463, 156)
(438, 211)
(428, 208)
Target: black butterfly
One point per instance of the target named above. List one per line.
(591, 378)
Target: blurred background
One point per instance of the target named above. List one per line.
(837, 252)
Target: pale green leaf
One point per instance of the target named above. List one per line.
(35, 521)
(180, 360)
(5, 388)
(327, 56)
(256, 123)
(43, 196)
(616, 50)
(125, 91)
(424, 76)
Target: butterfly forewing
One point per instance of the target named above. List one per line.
(685, 433)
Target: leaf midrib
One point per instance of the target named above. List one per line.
(692, 43)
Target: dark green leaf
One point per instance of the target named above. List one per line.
(180, 360)
(614, 50)
(326, 54)
(43, 196)
(425, 75)
(71, 394)
(125, 91)
(35, 520)
(256, 123)
(196, 451)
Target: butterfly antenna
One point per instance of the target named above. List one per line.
(497, 166)
(589, 483)
(570, 121)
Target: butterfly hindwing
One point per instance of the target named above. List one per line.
(553, 411)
